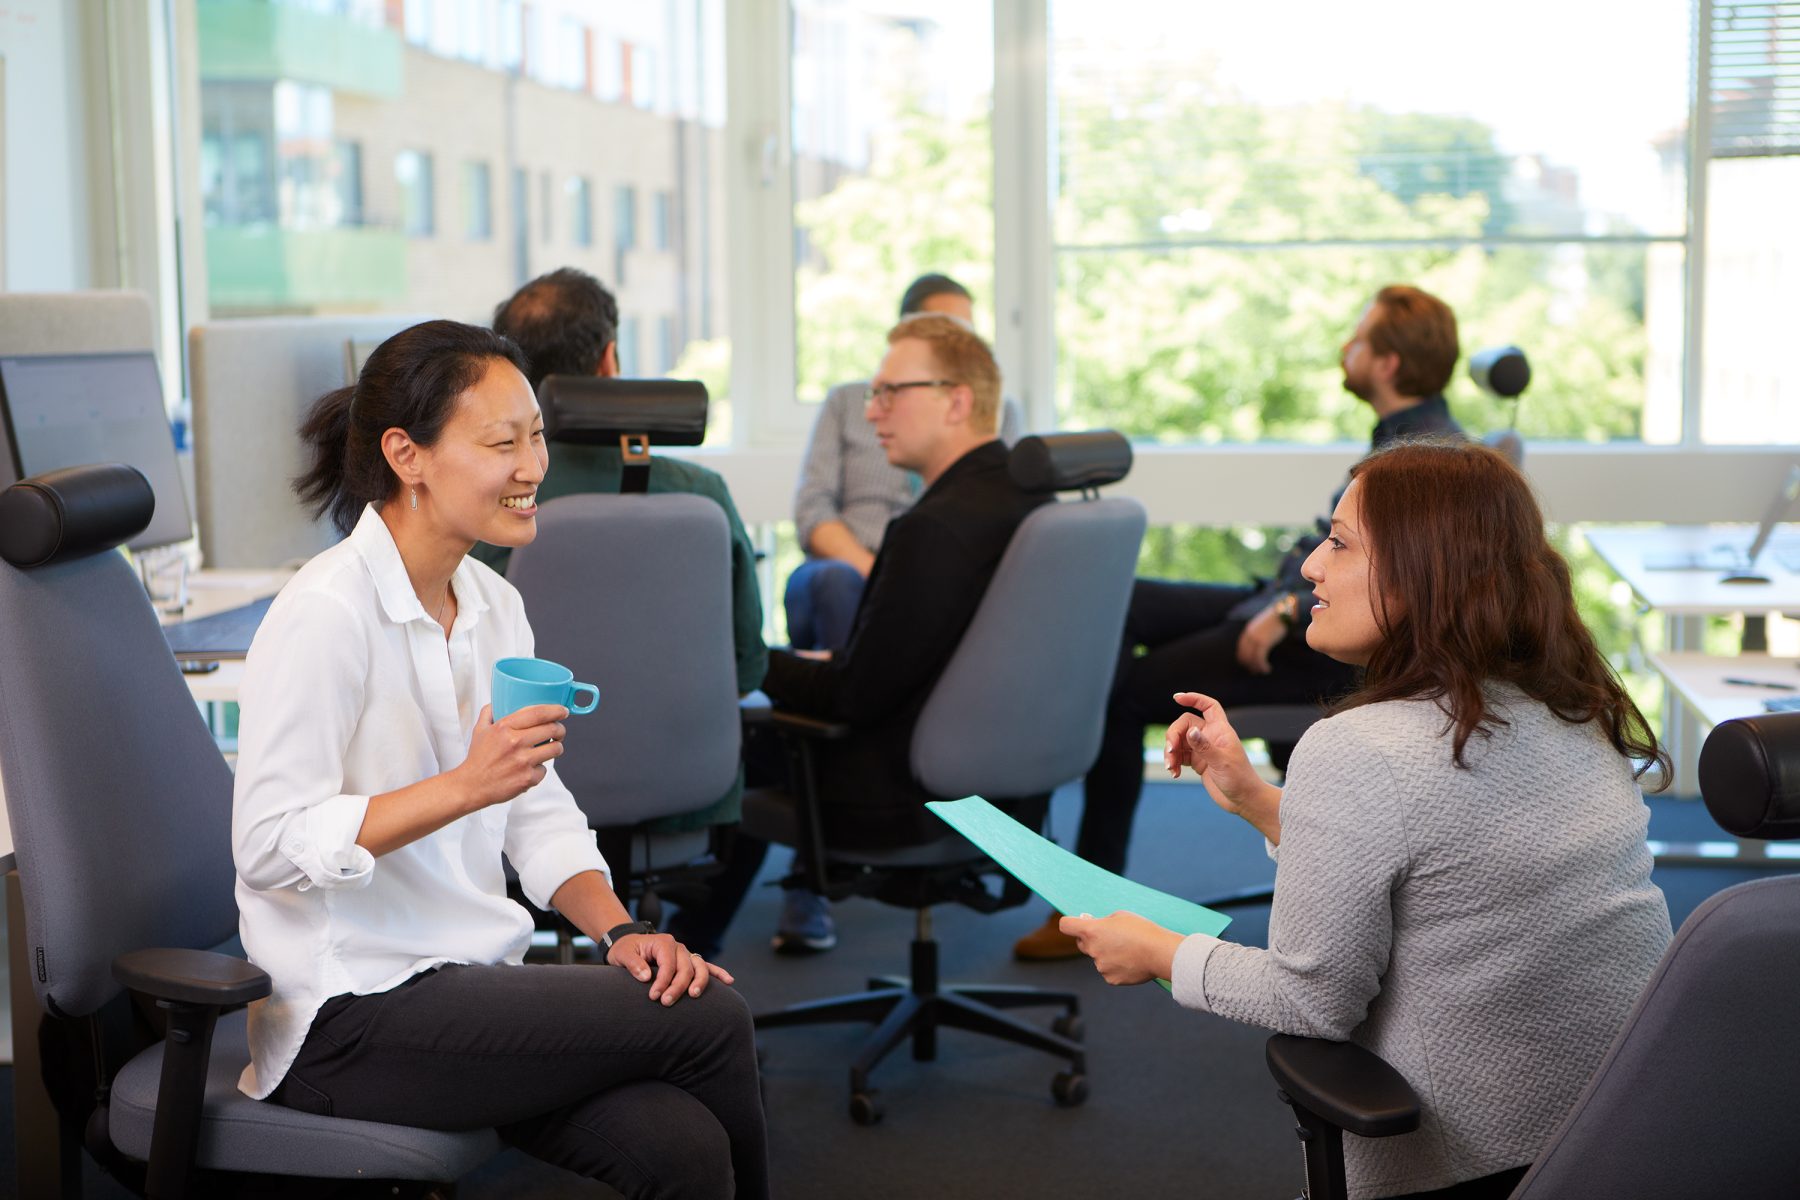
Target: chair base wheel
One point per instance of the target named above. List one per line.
(1070, 1088)
(866, 1107)
(1070, 1026)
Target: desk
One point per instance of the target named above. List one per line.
(1685, 598)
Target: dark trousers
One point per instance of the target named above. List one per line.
(574, 1065)
(1190, 642)
(821, 599)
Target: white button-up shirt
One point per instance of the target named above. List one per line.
(351, 691)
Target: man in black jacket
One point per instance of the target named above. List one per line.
(935, 406)
(1246, 644)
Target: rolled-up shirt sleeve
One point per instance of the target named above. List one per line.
(548, 840)
(293, 825)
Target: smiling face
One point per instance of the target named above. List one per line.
(1344, 621)
(483, 471)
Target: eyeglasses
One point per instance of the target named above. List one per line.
(881, 395)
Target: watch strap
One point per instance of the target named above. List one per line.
(625, 930)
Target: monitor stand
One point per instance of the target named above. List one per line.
(1745, 576)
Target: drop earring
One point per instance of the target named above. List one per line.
(415, 497)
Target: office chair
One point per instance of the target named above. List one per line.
(633, 591)
(121, 810)
(1047, 629)
(1691, 1099)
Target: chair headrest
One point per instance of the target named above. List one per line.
(1750, 775)
(1060, 462)
(74, 511)
(1502, 370)
(592, 411)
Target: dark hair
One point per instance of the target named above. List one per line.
(1470, 590)
(563, 321)
(410, 382)
(925, 287)
(1421, 329)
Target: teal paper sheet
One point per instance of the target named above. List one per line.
(1070, 884)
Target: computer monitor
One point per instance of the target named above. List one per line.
(356, 353)
(68, 410)
(1735, 565)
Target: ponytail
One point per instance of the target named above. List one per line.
(326, 433)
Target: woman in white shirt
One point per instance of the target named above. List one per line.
(374, 797)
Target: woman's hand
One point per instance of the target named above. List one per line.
(1205, 741)
(1125, 947)
(666, 964)
(507, 757)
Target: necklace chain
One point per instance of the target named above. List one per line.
(445, 604)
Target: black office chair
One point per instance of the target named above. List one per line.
(121, 812)
(1693, 1097)
(633, 591)
(1048, 629)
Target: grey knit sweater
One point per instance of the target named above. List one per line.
(1484, 930)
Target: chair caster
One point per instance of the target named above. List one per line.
(865, 1107)
(1070, 1026)
(1070, 1088)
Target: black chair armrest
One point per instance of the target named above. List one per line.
(191, 987)
(1344, 1084)
(192, 977)
(811, 727)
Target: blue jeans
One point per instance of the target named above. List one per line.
(821, 601)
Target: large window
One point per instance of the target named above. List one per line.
(893, 170)
(1232, 183)
(475, 118)
(478, 201)
(418, 211)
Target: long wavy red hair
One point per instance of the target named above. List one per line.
(1470, 590)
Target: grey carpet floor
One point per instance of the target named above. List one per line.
(1180, 1102)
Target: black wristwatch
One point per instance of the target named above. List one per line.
(626, 930)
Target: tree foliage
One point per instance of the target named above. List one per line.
(1212, 257)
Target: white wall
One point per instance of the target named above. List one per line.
(45, 201)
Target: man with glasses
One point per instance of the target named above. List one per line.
(934, 409)
(848, 492)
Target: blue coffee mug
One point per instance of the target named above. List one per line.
(522, 682)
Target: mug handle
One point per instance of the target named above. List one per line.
(591, 704)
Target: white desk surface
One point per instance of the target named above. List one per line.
(1697, 593)
(1699, 679)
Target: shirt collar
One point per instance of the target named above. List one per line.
(375, 543)
(1428, 415)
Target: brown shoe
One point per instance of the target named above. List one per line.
(1046, 943)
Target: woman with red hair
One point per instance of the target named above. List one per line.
(1462, 880)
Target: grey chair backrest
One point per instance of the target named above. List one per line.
(633, 594)
(119, 799)
(1694, 1097)
(1019, 709)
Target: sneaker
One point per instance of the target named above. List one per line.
(1046, 943)
(805, 926)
